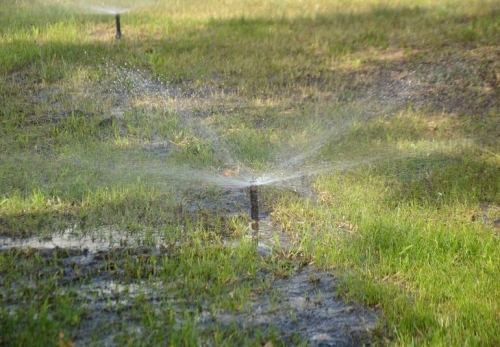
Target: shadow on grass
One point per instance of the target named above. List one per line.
(286, 54)
(440, 179)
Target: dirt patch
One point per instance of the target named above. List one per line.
(467, 83)
(489, 215)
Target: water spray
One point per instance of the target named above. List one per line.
(118, 30)
(254, 207)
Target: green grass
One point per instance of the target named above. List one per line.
(399, 99)
(425, 259)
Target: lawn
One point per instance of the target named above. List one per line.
(372, 129)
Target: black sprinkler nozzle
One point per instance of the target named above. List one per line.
(118, 30)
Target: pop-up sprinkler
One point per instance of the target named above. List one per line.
(254, 208)
(118, 30)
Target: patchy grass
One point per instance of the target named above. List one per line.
(394, 106)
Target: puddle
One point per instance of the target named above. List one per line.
(85, 247)
(90, 243)
(67, 239)
(303, 307)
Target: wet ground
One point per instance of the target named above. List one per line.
(302, 307)
(307, 306)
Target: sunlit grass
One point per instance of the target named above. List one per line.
(414, 235)
(415, 251)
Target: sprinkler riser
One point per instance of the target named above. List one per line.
(118, 29)
(254, 207)
(254, 203)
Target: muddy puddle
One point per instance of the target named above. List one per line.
(303, 307)
(99, 268)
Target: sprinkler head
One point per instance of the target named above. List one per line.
(118, 30)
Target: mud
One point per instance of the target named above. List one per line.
(306, 306)
(302, 307)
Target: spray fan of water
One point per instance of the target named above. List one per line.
(193, 142)
(186, 149)
(114, 8)
(111, 7)
(182, 139)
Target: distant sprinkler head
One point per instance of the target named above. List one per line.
(118, 30)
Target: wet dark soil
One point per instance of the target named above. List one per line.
(109, 274)
(302, 307)
(306, 307)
